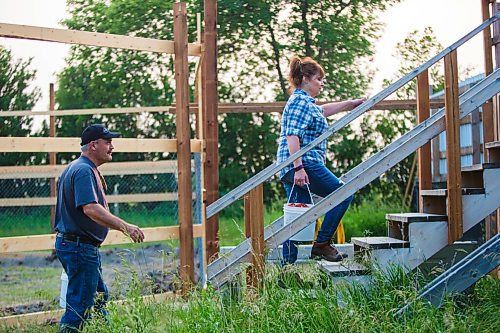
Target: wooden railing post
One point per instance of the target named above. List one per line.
(424, 153)
(453, 163)
(52, 155)
(183, 132)
(488, 121)
(211, 124)
(254, 228)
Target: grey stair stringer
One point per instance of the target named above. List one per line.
(366, 172)
(462, 275)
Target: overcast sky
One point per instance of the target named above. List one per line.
(450, 20)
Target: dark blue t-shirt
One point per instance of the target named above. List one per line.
(78, 186)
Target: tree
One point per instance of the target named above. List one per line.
(416, 48)
(256, 39)
(15, 78)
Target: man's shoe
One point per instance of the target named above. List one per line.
(326, 251)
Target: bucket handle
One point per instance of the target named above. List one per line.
(308, 190)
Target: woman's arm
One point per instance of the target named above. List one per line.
(330, 109)
(300, 177)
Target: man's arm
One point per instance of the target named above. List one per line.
(103, 217)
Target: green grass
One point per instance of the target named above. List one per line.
(314, 306)
(38, 284)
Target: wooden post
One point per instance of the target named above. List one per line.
(52, 156)
(424, 153)
(211, 124)
(488, 127)
(254, 228)
(453, 166)
(183, 146)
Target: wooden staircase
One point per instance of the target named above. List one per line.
(411, 238)
(415, 238)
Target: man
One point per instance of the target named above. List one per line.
(82, 222)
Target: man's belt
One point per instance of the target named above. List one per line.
(78, 239)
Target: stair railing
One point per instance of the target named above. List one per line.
(277, 233)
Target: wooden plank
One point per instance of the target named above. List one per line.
(211, 124)
(52, 155)
(46, 242)
(271, 107)
(488, 121)
(453, 165)
(254, 228)
(183, 129)
(424, 153)
(43, 317)
(117, 198)
(476, 140)
(70, 145)
(108, 169)
(92, 39)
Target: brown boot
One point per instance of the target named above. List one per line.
(326, 251)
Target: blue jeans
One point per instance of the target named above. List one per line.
(82, 264)
(322, 182)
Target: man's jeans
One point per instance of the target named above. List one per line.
(82, 264)
(322, 182)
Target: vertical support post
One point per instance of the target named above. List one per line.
(424, 153)
(52, 155)
(453, 165)
(211, 124)
(488, 127)
(254, 228)
(183, 146)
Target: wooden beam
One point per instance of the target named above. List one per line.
(424, 153)
(92, 39)
(116, 198)
(211, 124)
(453, 164)
(254, 227)
(488, 121)
(52, 155)
(71, 145)
(183, 130)
(107, 169)
(272, 107)
(46, 242)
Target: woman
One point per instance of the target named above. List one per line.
(302, 122)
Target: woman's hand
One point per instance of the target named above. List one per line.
(357, 102)
(300, 178)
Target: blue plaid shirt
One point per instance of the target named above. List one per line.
(304, 119)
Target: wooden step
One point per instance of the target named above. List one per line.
(493, 151)
(343, 268)
(444, 192)
(415, 217)
(376, 243)
(397, 223)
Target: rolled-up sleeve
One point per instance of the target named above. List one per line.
(297, 118)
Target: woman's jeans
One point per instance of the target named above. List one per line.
(322, 182)
(82, 264)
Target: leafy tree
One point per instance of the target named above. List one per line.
(416, 48)
(256, 38)
(15, 78)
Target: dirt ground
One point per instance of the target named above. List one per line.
(30, 282)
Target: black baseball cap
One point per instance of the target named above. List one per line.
(95, 132)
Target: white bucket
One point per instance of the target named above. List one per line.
(291, 213)
(64, 289)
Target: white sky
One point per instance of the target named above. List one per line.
(450, 20)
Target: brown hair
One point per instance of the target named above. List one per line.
(303, 67)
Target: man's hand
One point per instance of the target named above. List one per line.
(134, 232)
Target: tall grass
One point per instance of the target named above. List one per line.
(312, 305)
